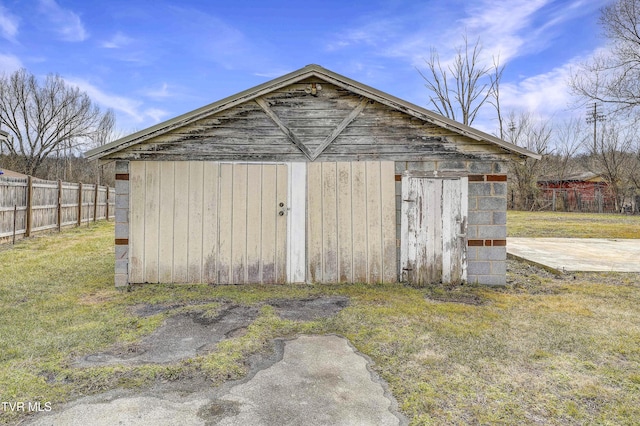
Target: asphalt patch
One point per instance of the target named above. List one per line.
(186, 335)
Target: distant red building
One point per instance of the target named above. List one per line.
(586, 191)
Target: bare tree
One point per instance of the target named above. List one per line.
(613, 77)
(570, 136)
(612, 158)
(534, 135)
(460, 89)
(44, 118)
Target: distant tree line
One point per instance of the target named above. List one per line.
(606, 143)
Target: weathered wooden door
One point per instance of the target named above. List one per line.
(252, 223)
(195, 221)
(433, 230)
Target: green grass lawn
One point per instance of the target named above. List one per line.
(576, 225)
(544, 350)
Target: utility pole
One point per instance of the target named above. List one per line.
(593, 116)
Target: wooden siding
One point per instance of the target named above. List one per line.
(290, 125)
(434, 217)
(351, 222)
(207, 222)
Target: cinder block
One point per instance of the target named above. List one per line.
(122, 187)
(492, 279)
(122, 202)
(498, 267)
(492, 232)
(480, 218)
(478, 268)
(499, 218)
(492, 203)
(122, 230)
(500, 167)
(121, 280)
(472, 279)
(480, 189)
(122, 166)
(452, 165)
(421, 166)
(480, 167)
(492, 253)
(499, 188)
(400, 166)
(122, 266)
(122, 216)
(122, 252)
(472, 232)
(472, 253)
(472, 203)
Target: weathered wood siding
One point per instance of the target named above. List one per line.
(434, 217)
(284, 124)
(207, 222)
(351, 222)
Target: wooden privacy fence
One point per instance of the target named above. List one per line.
(29, 205)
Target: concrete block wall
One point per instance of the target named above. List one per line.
(487, 214)
(122, 224)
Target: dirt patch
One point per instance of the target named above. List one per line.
(309, 309)
(186, 335)
(181, 336)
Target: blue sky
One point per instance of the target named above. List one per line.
(151, 60)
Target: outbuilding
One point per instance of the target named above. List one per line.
(310, 178)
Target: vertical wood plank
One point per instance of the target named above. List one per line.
(136, 235)
(388, 220)
(210, 223)
(151, 221)
(239, 225)
(296, 223)
(254, 212)
(181, 222)
(194, 251)
(329, 223)
(225, 214)
(359, 221)
(374, 225)
(268, 223)
(165, 227)
(407, 230)
(345, 245)
(281, 224)
(314, 222)
(464, 212)
(432, 263)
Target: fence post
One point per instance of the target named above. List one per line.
(95, 203)
(79, 203)
(15, 215)
(27, 231)
(59, 205)
(107, 209)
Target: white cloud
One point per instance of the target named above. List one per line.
(118, 41)
(8, 24)
(161, 93)
(67, 23)
(131, 108)
(9, 63)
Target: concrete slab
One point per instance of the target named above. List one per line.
(579, 254)
(311, 380)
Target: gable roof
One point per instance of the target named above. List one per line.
(293, 77)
